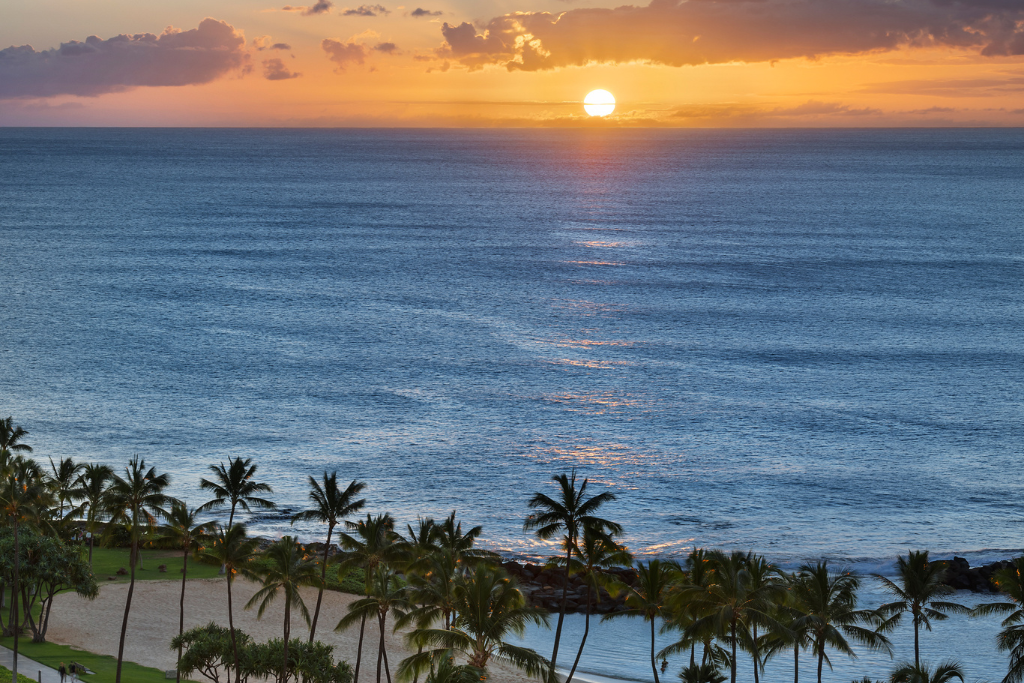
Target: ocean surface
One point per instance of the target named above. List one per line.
(807, 343)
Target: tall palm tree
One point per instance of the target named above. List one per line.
(785, 633)
(184, 531)
(373, 542)
(387, 595)
(235, 484)
(732, 602)
(595, 553)
(762, 577)
(686, 607)
(829, 599)
(94, 483)
(432, 589)
(66, 480)
(648, 596)
(330, 506)
(490, 607)
(230, 548)
(135, 500)
(918, 593)
(23, 492)
(448, 535)
(287, 569)
(921, 673)
(567, 515)
(1009, 580)
(11, 444)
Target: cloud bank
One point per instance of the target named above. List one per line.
(343, 54)
(276, 70)
(321, 7)
(692, 32)
(96, 66)
(420, 12)
(366, 11)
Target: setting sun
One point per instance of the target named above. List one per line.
(599, 103)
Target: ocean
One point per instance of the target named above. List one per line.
(806, 343)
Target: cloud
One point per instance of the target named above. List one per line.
(275, 70)
(420, 12)
(387, 48)
(366, 11)
(343, 54)
(951, 87)
(97, 66)
(691, 32)
(933, 110)
(261, 43)
(751, 112)
(321, 7)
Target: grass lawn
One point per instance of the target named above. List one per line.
(105, 667)
(5, 676)
(106, 562)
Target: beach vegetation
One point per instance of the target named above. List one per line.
(944, 672)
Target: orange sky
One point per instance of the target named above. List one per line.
(513, 63)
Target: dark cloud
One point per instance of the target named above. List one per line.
(951, 87)
(321, 7)
(751, 112)
(366, 11)
(677, 33)
(933, 110)
(280, 46)
(388, 48)
(420, 12)
(275, 70)
(98, 66)
(261, 43)
(343, 54)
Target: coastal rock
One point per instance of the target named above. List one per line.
(961, 576)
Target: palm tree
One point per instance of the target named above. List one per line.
(920, 583)
(762, 578)
(920, 673)
(785, 632)
(184, 531)
(135, 500)
(386, 595)
(330, 506)
(595, 553)
(432, 588)
(372, 543)
(232, 550)
(732, 602)
(288, 567)
(22, 493)
(647, 597)
(1009, 580)
(235, 484)
(448, 535)
(685, 608)
(829, 599)
(11, 445)
(93, 483)
(490, 607)
(569, 515)
(65, 480)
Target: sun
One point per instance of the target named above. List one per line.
(599, 103)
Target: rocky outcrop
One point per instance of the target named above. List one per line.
(962, 576)
(542, 587)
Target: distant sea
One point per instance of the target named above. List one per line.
(809, 343)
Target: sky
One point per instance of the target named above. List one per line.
(490, 63)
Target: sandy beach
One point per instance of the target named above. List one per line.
(94, 625)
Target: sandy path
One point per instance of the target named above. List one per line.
(96, 625)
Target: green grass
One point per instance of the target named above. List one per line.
(5, 677)
(105, 667)
(106, 562)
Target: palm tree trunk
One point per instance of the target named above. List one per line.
(127, 608)
(323, 581)
(380, 646)
(287, 634)
(693, 653)
(586, 630)
(733, 639)
(821, 660)
(359, 650)
(917, 650)
(561, 611)
(181, 609)
(756, 658)
(654, 660)
(796, 663)
(91, 535)
(231, 627)
(384, 647)
(14, 599)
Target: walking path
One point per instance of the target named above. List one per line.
(28, 667)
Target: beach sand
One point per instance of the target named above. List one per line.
(95, 625)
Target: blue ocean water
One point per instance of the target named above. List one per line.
(807, 343)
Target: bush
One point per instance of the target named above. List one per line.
(5, 677)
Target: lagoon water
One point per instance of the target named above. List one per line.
(805, 343)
